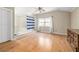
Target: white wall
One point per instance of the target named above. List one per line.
(12, 20)
(61, 20)
(75, 19)
(20, 26)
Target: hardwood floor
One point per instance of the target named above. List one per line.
(37, 42)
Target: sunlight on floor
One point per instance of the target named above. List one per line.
(45, 42)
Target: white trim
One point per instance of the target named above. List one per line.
(12, 32)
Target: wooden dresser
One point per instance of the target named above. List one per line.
(73, 39)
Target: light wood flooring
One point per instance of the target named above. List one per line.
(37, 42)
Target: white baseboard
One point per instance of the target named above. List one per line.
(60, 33)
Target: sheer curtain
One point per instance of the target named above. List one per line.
(45, 24)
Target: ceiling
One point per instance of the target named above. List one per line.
(31, 10)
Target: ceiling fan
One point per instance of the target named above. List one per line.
(39, 10)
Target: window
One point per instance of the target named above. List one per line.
(44, 21)
(45, 24)
(30, 23)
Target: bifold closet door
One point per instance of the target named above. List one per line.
(5, 25)
(0, 25)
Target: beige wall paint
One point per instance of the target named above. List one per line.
(61, 20)
(75, 19)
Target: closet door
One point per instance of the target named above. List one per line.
(8, 24)
(0, 25)
(5, 25)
